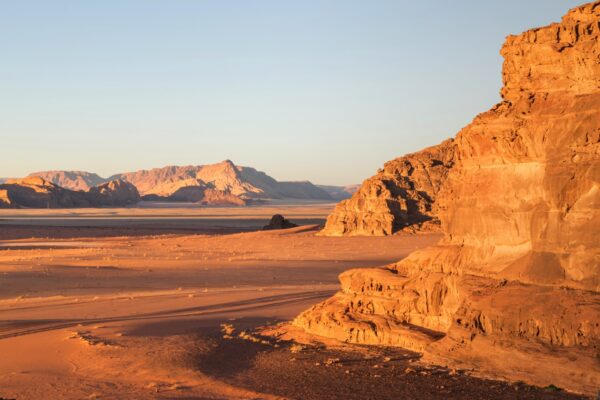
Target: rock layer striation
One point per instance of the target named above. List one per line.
(513, 289)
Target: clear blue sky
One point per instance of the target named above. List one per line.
(320, 90)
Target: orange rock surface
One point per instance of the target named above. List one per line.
(512, 291)
(401, 195)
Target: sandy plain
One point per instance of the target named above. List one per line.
(162, 303)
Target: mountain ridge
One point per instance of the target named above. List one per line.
(36, 192)
(224, 181)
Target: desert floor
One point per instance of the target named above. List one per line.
(161, 303)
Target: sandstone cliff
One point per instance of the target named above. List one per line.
(513, 290)
(402, 195)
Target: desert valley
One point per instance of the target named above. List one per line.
(466, 270)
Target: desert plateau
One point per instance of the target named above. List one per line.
(466, 269)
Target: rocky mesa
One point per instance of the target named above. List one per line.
(513, 289)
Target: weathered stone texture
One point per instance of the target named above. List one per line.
(513, 289)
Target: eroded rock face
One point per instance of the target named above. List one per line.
(402, 195)
(513, 289)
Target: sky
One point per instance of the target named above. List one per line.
(319, 90)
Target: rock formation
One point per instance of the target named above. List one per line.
(278, 221)
(114, 193)
(36, 192)
(224, 182)
(513, 289)
(225, 177)
(72, 180)
(401, 195)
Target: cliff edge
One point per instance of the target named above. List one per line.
(513, 289)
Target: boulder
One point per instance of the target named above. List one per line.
(279, 222)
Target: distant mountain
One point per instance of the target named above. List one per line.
(340, 192)
(73, 180)
(36, 192)
(220, 183)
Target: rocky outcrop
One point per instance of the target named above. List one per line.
(36, 192)
(402, 195)
(278, 221)
(114, 193)
(513, 289)
(214, 197)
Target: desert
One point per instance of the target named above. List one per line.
(466, 269)
(81, 304)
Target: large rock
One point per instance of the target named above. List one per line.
(400, 196)
(278, 221)
(114, 193)
(513, 290)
